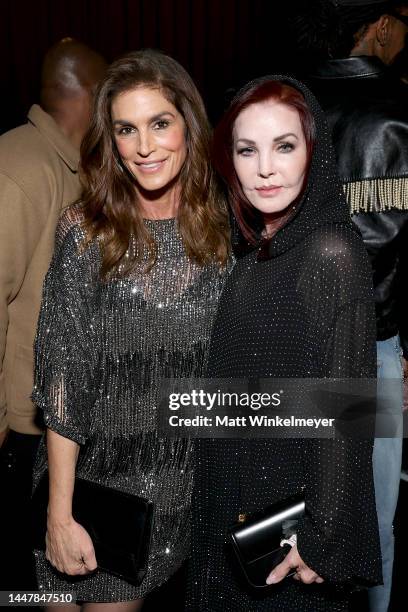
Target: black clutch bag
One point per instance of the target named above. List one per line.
(119, 524)
(256, 539)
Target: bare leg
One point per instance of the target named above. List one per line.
(119, 606)
(66, 608)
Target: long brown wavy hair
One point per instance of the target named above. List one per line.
(109, 199)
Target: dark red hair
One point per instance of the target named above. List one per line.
(261, 90)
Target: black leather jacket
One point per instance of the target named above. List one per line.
(368, 112)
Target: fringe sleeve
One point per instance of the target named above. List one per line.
(66, 354)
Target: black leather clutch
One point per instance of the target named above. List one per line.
(120, 525)
(256, 539)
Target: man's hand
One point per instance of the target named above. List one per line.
(69, 548)
(293, 561)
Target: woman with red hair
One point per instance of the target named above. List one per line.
(298, 304)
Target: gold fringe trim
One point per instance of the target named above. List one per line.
(377, 195)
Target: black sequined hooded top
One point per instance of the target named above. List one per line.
(298, 306)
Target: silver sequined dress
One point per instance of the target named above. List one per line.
(101, 351)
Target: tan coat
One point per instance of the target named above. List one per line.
(38, 178)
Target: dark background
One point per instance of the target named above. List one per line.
(220, 42)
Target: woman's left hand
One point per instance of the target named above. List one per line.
(293, 561)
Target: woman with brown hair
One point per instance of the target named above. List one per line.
(298, 304)
(129, 298)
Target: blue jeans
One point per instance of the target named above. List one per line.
(386, 469)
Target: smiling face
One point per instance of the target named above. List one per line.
(150, 137)
(269, 155)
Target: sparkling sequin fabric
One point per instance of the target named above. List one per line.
(101, 350)
(301, 306)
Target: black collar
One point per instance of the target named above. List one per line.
(359, 66)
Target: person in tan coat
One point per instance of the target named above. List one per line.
(38, 179)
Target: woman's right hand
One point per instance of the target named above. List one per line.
(69, 547)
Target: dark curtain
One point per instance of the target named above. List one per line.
(221, 42)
